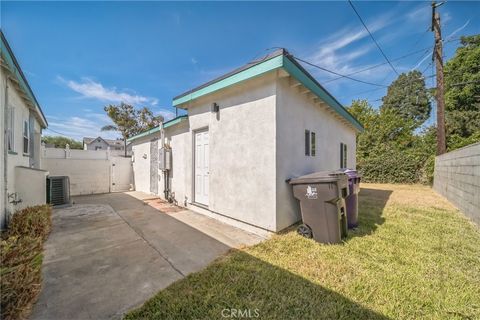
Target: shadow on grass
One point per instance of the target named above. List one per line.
(371, 205)
(241, 283)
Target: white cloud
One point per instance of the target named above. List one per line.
(95, 90)
(458, 30)
(446, 17)
(332, 54)
(420, 13)
(167, 115)
(79, 127)
(194, 61)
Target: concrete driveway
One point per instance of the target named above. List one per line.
(109, 253)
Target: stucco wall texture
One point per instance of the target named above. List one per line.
(16, 158)
(256, 142)
(457, 178)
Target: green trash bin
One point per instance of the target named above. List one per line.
(322, 203)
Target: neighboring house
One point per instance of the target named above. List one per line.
(117, 146)
(245, 134)
(21, 120)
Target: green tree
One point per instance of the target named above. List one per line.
(61, 142)
(408, 96)
(462, 90)
(129, 121)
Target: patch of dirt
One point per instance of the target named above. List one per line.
(163, 205)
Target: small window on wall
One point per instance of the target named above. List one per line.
(307, 142)
(343, 155)
(26, 137)
(312, 144)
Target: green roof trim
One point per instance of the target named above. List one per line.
(166, 124)
(254, 71)
(302, 77)
(9, 58)
(278, 60)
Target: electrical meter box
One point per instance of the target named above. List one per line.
(164, 159)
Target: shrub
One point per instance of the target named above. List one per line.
(31, 222)
(21, 261)
(390, 166)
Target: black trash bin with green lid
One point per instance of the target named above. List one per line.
(322, 203)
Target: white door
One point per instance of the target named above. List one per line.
(202, 170)
(121, 174)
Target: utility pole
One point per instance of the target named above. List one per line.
(438, 57)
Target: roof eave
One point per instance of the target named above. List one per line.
(14, 68)
(301, 75)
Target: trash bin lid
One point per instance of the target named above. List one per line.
(319, 177)
(351, 173)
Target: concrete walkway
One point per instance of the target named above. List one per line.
(109, 253)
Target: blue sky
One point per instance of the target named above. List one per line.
(80, 56)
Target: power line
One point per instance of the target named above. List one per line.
(424, 50)
(339, 74)
(371, 35)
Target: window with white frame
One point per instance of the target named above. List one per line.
(26, 137)
(11, 129)
(343, 155)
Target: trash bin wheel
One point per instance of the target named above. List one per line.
(305, 231)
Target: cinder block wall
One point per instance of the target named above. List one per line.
(457, 177)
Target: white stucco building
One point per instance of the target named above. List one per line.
(244, 134)
(22, 182)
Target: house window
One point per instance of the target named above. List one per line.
(307, 142)
(98, 148)
(11, 129)
(26, 137)
(343, 155)
(312, 144)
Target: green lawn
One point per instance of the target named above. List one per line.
(413, 257)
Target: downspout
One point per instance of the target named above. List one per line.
(5, 152)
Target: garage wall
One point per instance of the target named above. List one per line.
(241, 152)
(295, 113)
(141, 164)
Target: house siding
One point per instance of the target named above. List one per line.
(295, 113)
(3, 200)
(18, 158)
